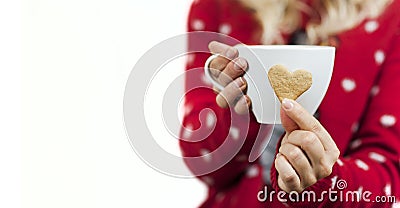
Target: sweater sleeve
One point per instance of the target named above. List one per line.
(216, 137)
(372, 162)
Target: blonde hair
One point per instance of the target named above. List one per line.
(280, 17)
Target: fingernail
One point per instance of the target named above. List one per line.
(240, 64)
(230, 53)
(247, 100)
(278, 155)
(240, 81)
(287, 104)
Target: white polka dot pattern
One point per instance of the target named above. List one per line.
(355, 144)
(234, 132)
(334, 180)
(388, 190)
(348, 84)
(188, 109)
(354, 127)
(339, 162)
(360, 191)
(225, 28)
(206, 155)
(377, 157)
(190, 58)
(252, 172)
(387, 120)
(187, 132)
(379, 57)
(371, 26)
(361, 164)
(375, 90)
(198, 24)
(210, 120)
(208, 180)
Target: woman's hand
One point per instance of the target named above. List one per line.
(228, 69)
(307, 152)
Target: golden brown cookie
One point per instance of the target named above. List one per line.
(288, 84)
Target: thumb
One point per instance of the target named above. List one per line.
(288, 124)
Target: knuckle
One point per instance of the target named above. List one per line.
(280, 150)
(234, 51)
(243, 63)
(314, 125)
(218, 63)
(224, 78)
(294, 137)
(285, 139)
(233, 71)
(308, 139)
(313, 180)
(232, 91)
(335, 154)
(295, 154)
(289, 179)
(324, 170)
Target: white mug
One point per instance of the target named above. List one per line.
(318, 60)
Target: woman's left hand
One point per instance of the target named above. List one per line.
(307, 152)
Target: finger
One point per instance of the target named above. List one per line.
(284, 139)
(226, 54)
(307, 122)
(230, 94)
(288, 180)
(300, 163)
(220, 62)
(217, 65)
(309, 143)
(243, 105)
(287, 123)
(222, 49)
(232, 71)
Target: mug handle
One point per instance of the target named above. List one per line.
(208, 73)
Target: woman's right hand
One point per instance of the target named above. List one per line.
(228, 69)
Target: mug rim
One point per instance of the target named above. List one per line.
(288, 47)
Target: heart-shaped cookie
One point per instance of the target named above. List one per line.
(288, 84)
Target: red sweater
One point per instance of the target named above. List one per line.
(361, 111)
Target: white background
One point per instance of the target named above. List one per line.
(64, 65)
